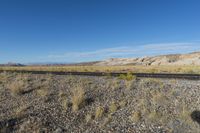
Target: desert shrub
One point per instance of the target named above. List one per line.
(184, 114)
(143, 107)
(4, 77)
(63, 100)
(136, 116)
(122, 103)
(154, 81)
(115, 84)
(159, 99)
(61, 94)
(17, 87)
(42, 92)
(113, 107)
(20, 111)
(78, 98)
(122, 76)
(154, 116)
(64, 103)
(128, 84)
(99, 112)
(174, 81)
(107, 120)
(42, 89)
(88, 118)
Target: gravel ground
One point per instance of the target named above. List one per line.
(45, 104)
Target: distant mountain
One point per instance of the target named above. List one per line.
(12, 64)
(173, 59)
(63, 64)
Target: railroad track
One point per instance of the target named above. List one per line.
(114, 74)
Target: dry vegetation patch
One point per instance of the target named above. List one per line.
(63, 99)
(136, 116)
(78, 98)
(99, 112)
(17, 87)
(113, 107)
(108, 69)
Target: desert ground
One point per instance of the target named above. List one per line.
(179, 69)
(87, 104)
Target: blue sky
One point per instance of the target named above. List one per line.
(86, 30)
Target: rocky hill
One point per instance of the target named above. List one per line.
(173, 59)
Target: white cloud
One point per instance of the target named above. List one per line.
(101, 52)
(128, 51)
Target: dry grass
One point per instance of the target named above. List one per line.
(17, 87)
(128, 85)
(4, 77)
(113, 107)
(185, 114)
(154, 116)
(159, 99)
(43, 92)
(107, 120)
(78, 98)
(122, 103)
(63, 100)
(136, 116)
(88, 118)
(42, 88)
(115, 85)
(99, 112)
(108, 69)
(20, 111)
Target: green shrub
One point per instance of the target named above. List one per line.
(128, 76)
